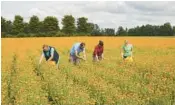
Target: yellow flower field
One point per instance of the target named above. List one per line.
(149, 80)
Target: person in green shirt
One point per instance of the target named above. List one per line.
(127, 49)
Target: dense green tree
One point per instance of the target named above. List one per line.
(126, 30)
(68, 23)
(165, 30)
(26, 28)
(18, 26)
(96, 31)
(82, 26)
(6, 27)
(50, 25)
(121, 31)
(148, 30)
(41, 26)
(34, 24)
(109, 31)
(102, 32)
(131, 32)
(174, 30)
(3, 24)
(9, 27)
(90, 27)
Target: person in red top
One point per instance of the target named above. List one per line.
(98, 52)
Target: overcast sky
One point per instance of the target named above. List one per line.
(107, 14)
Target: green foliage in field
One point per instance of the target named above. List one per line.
(149, 80)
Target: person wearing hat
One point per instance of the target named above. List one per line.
(126, 52)
(50, 54)
(75, 51)
(98, 51)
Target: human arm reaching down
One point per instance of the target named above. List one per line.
(131, 51)
(84, 54)
(41, 58)
(122, 52)
(80, 57)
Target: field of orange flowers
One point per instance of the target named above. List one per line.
(149, 80)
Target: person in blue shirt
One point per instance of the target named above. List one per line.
(50, 54)
(75, 51)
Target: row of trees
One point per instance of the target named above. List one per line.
(50, 27)
(148, 30)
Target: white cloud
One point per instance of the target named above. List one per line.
(38, 12)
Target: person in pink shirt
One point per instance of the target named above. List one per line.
(98, 51)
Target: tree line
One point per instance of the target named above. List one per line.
(50, 27)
